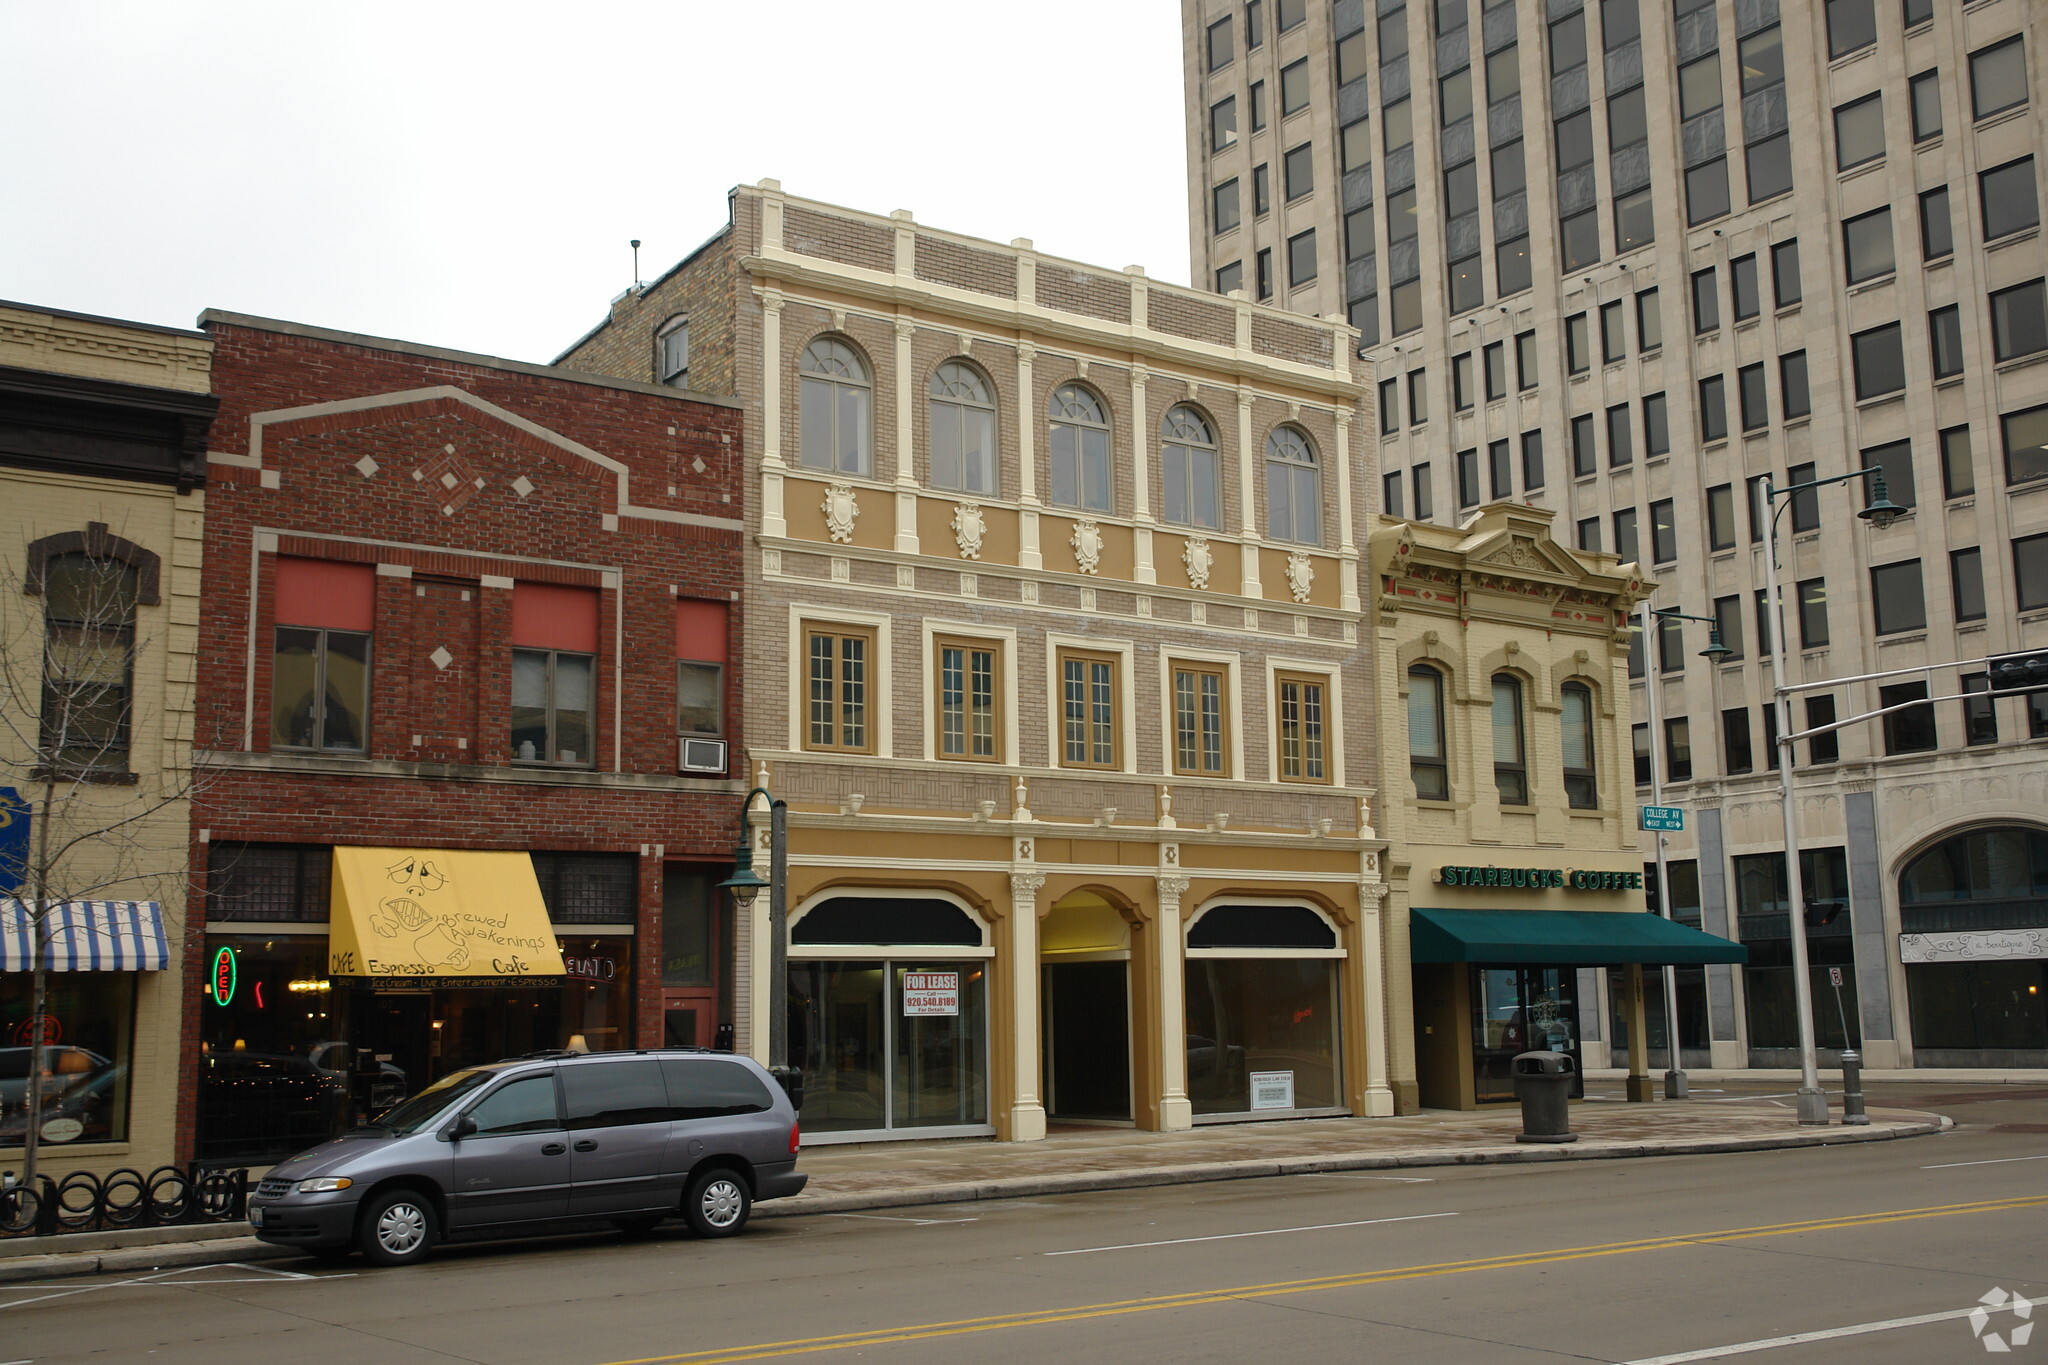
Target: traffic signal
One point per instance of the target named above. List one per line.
(1820, 914)
(2013, 674)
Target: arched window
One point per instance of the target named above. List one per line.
(1188, 485)
(1079, 441)
(837, 418)
(963, 430)
(672, 353)
(1294, 505)
(1581, 786)
(1984, 864)
(88, 662)
(1510, 770)
(1427, 756)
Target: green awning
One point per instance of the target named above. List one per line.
(1562, 938)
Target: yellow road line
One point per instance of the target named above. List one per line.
(1195, 1298)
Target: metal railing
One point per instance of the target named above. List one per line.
(84, 1201)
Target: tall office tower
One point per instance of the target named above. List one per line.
(1625, 258)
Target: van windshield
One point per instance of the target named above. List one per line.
(411, 1115)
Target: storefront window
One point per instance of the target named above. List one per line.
(890, 1045)
(1692, 1014)
(1767, 988)
(1978, 1007)
(1264, 1017)
(88, 1020)
(1516, 1010)
(686, 901)
(1973, 898)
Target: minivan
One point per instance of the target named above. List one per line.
(539, 1142)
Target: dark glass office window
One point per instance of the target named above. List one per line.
(1354, 144)
(1945, 341)
(1706, 191)
(1532, 459)
(2030, 571)
(1728, 625)
(1262, 190)
(1626, 547)
(1699, 86)
(1735, 748)
(1768, 163)
(1852, 25)
(1390, 493)
(1627, 123)
(1721, 517)
(1525, 360)
(1620, 440)
(1298, 171)
(1754, 399)
(1937, 231)
(1742, 287)
(1454, 96)
(1785, 283)
(2019, 320)
(1880, 360)
(1511, 270)
(1649, 321)
(1567, 44)
(1468, 479)
(1713, 408)
(1762, 59)
(1510, 173)
(1678, 749)
(1224, 205)
(1301, 258)
(1813, 613)
(1583, 458)
(1580, 235)
(1589, 534)
(1925, 89)
(1421, 484)
(1578, 344)
(1262, 265)
(1613, 333)
(1792, 385)
(1353, 60)
(1805, 502)
(1656, 427)
(1494, 361)
(2026, 444)
(1223, 123)
(1966, 583)
(1998, 77)
(1867, 246)
(1639, 739)
(1825, 747)
(1896, 600)
(1397, 125)
(2009, 199)
(1895, 458)
(1910, 731)
(1663, 532)
(1393, 28)
(1958, 468)
(1294, 88)
(1706, 303)
(1418, 397)
(1390, 406)
(1461, 381)
(1980, 713)
(1504, 74)
(1229, 277)
(1221, 49)
(1500, 463)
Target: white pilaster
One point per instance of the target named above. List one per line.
(1347, 546)
(1249, 462)
(1027, 1109)
(1176, 1113)
(1379, 1095)
(1028, 555)
(773, 522)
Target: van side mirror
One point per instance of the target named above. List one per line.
(458, 1130)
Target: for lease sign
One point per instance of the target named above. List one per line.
(931, 993)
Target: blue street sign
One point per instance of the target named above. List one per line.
(14, 821)
(1662, 817)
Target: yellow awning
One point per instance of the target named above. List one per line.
(438, 913)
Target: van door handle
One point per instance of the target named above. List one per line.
(553, 1149)
(586, 1145)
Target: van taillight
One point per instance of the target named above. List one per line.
(795, 1135)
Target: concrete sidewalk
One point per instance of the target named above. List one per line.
(901, 1174)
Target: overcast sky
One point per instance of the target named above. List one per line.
(468, 174)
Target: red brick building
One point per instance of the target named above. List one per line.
(454, 606)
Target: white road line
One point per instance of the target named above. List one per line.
(1796, 1338)
(162, 1279)
(1356, 1175)
(1997, 1161)
(917, 1222)
(1227, 1236)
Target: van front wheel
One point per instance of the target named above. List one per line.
(718, 1203)
(397, 1228)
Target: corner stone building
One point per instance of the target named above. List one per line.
(1052, 648)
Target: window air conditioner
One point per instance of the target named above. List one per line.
(700, 755)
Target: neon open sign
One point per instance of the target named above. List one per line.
(225, 975)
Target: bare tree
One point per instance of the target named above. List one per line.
(69, 716)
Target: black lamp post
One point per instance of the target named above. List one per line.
(746, 886)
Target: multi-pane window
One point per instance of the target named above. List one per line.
(1937, 227)
(963, 430)
(1792, 391)
(1966, 583)
(1867, 246)
(1879, 358)
(1925, 90)
(1958, 468)
(1088, 710)
(837, 408)
(1786, 288)
(1199, 740)
(1428, 756)
(1078, 436)
(1301, 713)
(89, 605)
(2010, 202)
(839, 689)
(1897, 602)
(969, 699)
(1510, 765)
(1190, 487)
(1998, 77)
(1575, 724)
(1945, 341)
(2019, 320)
(553, 692)
(2026, 444)
(1860, 131)
(1293, 489)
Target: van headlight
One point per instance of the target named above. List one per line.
(324, 1185)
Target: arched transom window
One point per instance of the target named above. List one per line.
(1188, 484)
(1079, 442)
(837, 417)
(1294, 508)
(963, 430)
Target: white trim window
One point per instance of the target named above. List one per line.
(1189, 486)
(963, 430)
(1079, 441)
(672, 353)
(1294, 503)
(836, 421)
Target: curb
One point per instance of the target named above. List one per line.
(208, 1251)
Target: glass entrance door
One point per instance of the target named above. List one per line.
(1521, 1009)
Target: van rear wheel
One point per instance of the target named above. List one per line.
(718, 1203)
(397, 1227)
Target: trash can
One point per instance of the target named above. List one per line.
(1543, 1083)
(791, 1079)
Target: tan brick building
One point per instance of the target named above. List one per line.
(102, 464)
(1052, 648)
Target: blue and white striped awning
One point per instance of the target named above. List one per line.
(86, 936)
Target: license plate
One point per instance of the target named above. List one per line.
(256, 1217)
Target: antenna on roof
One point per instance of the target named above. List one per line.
(636, 265)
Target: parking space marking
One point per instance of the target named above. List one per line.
(1825, 1334)
(1361, 1175)
(162, 1279)
(1998, 1161)
(1266, 1232)
(915, 1222)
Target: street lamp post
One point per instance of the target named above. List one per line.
(1675, 1087)
(746, 886)
(1880, 512)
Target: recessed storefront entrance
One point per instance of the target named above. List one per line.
(1087, 1041)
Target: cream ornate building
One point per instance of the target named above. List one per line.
(102, 465)
(1052, 630)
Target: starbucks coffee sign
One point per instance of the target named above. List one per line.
(1539, 879)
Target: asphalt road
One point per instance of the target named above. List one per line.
(1623, 1261)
